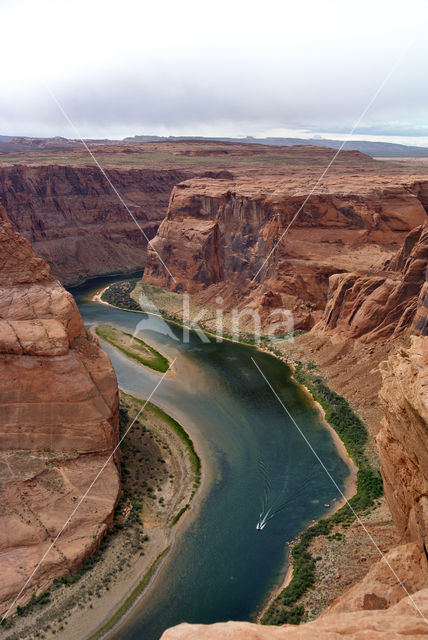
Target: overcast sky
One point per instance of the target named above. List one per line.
(231, 68)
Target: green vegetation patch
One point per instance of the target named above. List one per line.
(195, 461)
(119, 295)
(180, 513)
(133, 347)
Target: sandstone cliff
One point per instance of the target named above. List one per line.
(59, 424)
(352, 267)
(75, 221)
(216, 237)
(402, 439)
(372, 307)
(65, 207)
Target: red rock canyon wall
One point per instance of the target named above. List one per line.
(58, 426)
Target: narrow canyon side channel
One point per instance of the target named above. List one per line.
(220, 566)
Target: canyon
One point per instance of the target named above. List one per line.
(351, 268)
(74, 219)
(70, 212)
(227, 238)
(59, 427)
(350, 262)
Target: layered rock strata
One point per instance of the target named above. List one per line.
(403, 437)
(373, 307)
(75, 220)
(235, 236)
(58, 427)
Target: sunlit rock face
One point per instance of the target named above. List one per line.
(402, 439)
(58, 426)
(233, 238)
(374, 307)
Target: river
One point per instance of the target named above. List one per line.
(221, 567)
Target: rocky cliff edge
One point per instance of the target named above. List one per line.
(58, 426)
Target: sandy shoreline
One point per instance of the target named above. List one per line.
(96, 297)
(350, 487)
(166, 537)
(275, 592)
(170, 535)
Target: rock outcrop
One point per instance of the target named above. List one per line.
(372, 307)
(76, 222)
(58, 426)
(217, 236)
(402, 621)
(402, 439)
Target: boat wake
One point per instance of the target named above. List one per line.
(269, 512)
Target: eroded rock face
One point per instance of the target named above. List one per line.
(76, 222)
(58, 426)
(402, 440)
(372, 307)
(403, 572)
(219, 236)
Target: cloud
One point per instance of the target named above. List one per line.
(395, 129)
(229, 68)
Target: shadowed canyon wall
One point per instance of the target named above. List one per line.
(58, 426)
(76, 222)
